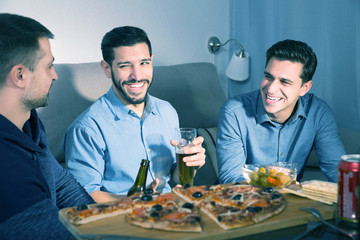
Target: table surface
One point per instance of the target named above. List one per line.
(322, 233)
(116, 227)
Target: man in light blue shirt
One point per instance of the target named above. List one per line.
(281, 122)
(104, 146)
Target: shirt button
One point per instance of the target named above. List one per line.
(282, 130)
(282, 154)
(149, 150)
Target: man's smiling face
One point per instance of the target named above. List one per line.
(131, 73)
(281, 88)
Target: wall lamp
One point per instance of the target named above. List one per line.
(238, 68)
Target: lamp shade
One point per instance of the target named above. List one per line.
(238, 68)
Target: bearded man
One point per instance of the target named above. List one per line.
(105, 145)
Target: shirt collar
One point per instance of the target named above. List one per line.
(300, 111)
(262, 116)
(122, 111)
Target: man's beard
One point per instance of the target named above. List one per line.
(120, 87)
(30, 104)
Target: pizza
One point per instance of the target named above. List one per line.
(147, 210)
(196, 194)
(235, 205)
(88, 213)
(162, 212)
(243, 205)
(181, 217)
(230, 206)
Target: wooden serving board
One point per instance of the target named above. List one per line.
(116, 226)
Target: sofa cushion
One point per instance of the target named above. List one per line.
(351, 140)
(194, 91)
(208, 174)
(77, 87)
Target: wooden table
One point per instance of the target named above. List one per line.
(117, 228)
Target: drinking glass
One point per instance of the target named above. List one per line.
(184, 138)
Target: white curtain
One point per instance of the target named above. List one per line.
(330, 27)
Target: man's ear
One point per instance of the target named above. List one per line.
(18, 75)
(305, 87)
(106, 67)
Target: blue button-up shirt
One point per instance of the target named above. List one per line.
(247, 135)
(104, 146)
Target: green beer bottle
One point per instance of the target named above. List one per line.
(140, 182)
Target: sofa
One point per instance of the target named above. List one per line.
(193, 89)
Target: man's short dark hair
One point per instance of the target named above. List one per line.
(122, 36)
(295, 51)
(19, 42)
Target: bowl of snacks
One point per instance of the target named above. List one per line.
(276, 175)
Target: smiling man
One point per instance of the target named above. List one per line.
(281, 122)
(105, 144)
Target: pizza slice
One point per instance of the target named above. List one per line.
(196, 194)
(181, 217)
(227, 217)
(88, 213)
(238, 206)
(235, 195)
(149, 200)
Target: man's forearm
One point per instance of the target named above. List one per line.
(100, 196)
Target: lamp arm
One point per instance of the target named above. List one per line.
(242, 50)
(214, 45)
(237, 42)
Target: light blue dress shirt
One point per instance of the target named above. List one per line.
(247, 135)
(104, 146)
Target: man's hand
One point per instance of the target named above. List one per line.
(154, 184)
(198, 159)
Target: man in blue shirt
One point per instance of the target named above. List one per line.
(104, 146)
(33, 184)
(281, 122)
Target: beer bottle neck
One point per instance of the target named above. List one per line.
(142, 174)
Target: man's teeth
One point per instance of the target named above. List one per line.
(139, 85)
(272, 98)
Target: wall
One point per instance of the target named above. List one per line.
(178, 30)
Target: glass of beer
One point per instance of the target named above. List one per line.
(184, 137)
